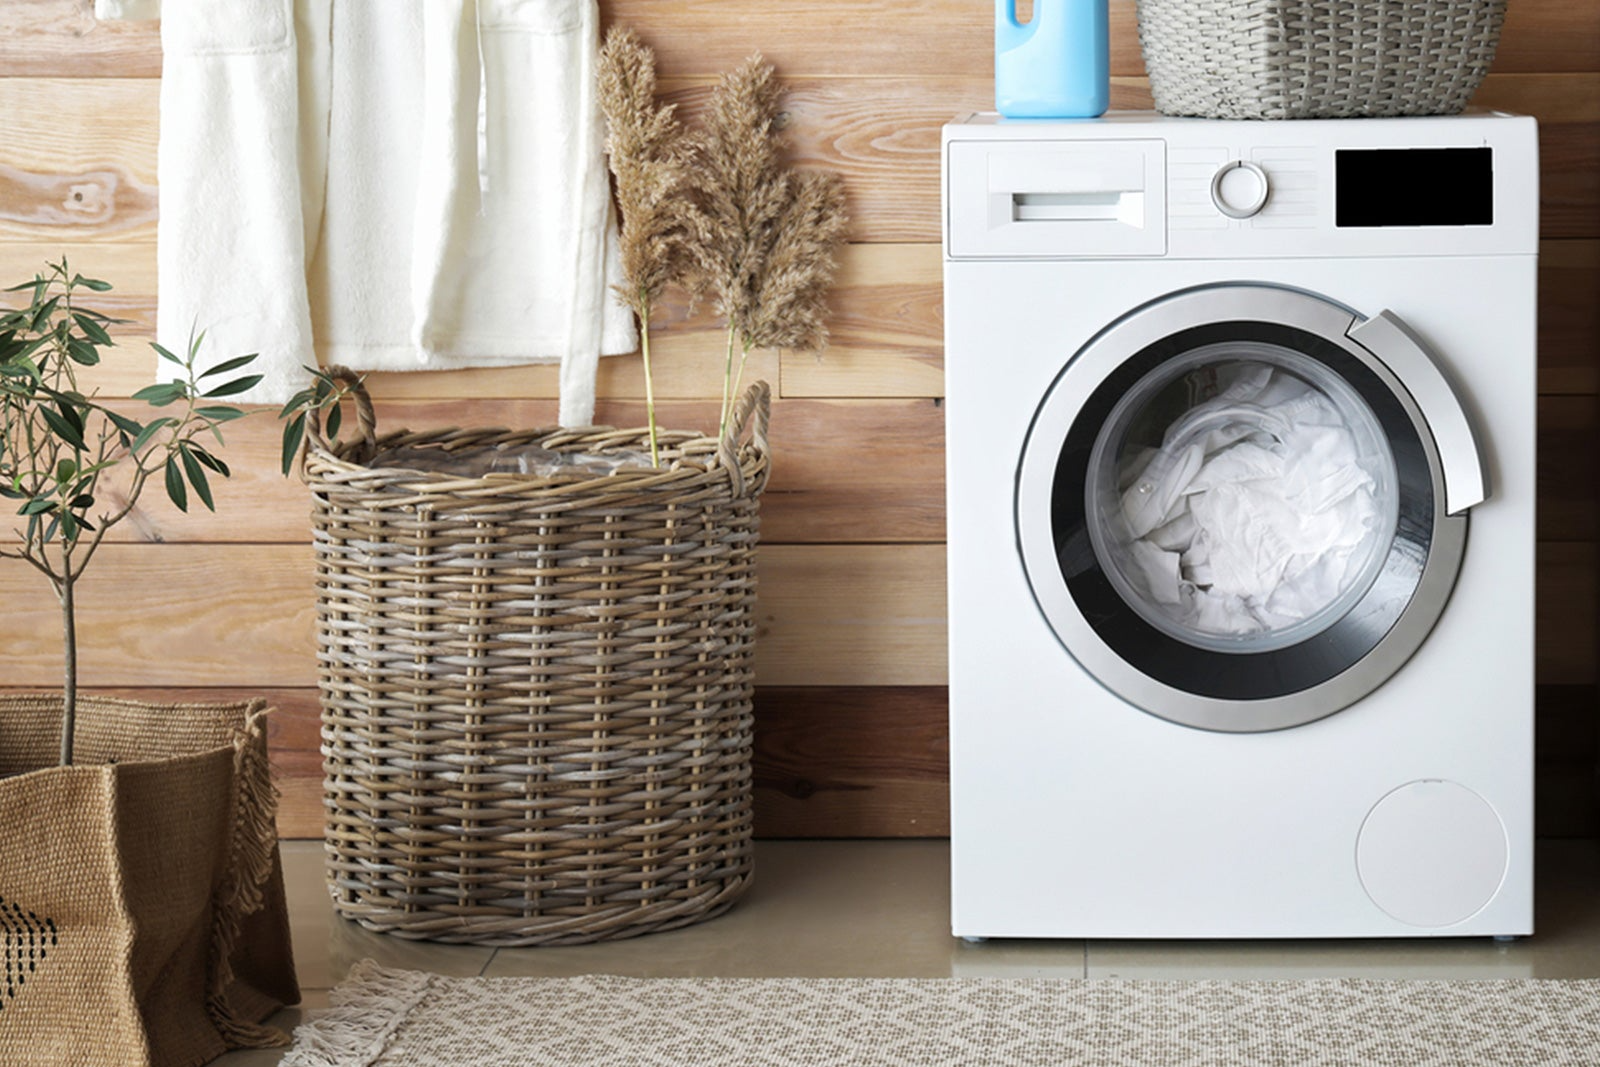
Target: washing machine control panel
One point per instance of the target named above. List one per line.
(1138, 186)
(1219, 187)
(1240, 189)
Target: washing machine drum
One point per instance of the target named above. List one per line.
(1243, 508)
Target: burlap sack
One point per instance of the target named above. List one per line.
(142, 916)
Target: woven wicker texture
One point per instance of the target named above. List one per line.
(1281, 59)
(537, 691)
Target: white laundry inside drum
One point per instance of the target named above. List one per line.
(1242, 497)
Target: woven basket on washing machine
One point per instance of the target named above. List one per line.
(1296, 59)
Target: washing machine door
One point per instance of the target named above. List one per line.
(1243, 507)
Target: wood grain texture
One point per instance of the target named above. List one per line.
(881, 134)
(244, 615)
(1566, 637)
(79, 159)
(852, 762)
(1569, 316)
(874, 762)
(887, 329)
(837, 615)
(40, 37)
(843, 471)
(1569, 468)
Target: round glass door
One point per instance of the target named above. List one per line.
(1231, 514)
(1241, 497)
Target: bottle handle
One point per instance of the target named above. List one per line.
(1008, 32)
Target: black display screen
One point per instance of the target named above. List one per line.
(1413, 187)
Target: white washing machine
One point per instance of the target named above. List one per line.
(1240, 436)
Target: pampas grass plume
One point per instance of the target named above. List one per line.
(650, 158)
(718, 211)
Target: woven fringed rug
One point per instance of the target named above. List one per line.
(389, 1018)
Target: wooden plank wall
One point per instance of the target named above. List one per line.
(851, 703)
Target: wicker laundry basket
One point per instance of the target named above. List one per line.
(1293, 59)
(536, 691)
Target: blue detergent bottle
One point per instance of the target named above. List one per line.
(1058, 65)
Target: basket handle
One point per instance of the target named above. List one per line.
(366, 418)
(756, 400)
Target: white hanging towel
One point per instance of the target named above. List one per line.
(394, 185)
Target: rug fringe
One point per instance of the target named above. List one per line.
(368, 1007)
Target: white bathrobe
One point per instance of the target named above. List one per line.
(387, 184)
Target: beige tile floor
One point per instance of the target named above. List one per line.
(881, 909)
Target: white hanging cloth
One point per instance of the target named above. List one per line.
(387, 184)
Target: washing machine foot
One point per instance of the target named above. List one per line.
(1505, 939)
(972, 940)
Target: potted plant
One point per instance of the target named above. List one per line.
(139, 878)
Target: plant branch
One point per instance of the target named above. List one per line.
(727, 386)
(643, 312)
(56, 444)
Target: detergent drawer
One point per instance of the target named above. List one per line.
(1063, 199)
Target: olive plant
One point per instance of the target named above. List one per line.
(57, 443)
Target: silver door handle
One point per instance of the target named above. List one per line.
(1466, 482)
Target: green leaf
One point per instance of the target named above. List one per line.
(82, 352)
(130, 427)
(39, 505)
(150, 431)
(299, 400)
(209, 460)
(71, 406)
(219, 413)
(176, 491)
(81, 502)
(294, 432)
(66, 470)
(238, 385)
(197, 476)
(161, 394)
(22, 368)
(69, 526)
(335, 420)
(231, 364)
(91, 283)
(42, 313)
(92, 329)
(166, 353)
(62, 428)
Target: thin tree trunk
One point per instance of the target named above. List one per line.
(69, 691)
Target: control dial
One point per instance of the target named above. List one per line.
(1240, 189)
